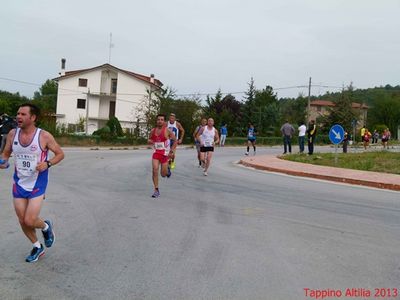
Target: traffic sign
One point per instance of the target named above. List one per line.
(336, 134)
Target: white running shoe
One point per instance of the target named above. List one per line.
(247, 153)
(205, 174)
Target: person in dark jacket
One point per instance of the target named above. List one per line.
(6, 124)
(311, 133)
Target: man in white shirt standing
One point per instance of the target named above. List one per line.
(302, 133)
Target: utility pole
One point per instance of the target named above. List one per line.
(308, 104)
(149, 112)
(109, 50)
(87, 113)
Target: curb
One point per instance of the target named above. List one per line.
(379, 185)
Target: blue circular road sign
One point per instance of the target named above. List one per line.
(336, 134)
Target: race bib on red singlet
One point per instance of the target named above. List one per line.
(159, 146)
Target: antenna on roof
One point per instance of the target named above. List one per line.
(110, 46)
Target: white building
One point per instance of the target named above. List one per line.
(92, 96)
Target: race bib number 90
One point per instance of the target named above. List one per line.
(26, 164)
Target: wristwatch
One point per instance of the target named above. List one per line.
(49, 164)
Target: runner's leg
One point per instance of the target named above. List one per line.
(203, 158)
(28, 215)
(156, 165)
(208, 162)
(164, 169)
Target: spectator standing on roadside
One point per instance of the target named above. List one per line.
(375, 137)
(302, 133)
(311, 133)
(224, 133)
(287, 131)
(345, 141)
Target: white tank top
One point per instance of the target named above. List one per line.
(26, 158)
(174, 129)
(207, 137)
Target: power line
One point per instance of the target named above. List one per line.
(182, 94)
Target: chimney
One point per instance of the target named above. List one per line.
(63, 60)
(152, 78)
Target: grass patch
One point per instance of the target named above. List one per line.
(382, 161)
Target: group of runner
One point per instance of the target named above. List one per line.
(167, 135)
(31, 145)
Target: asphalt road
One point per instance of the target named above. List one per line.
(236, 234)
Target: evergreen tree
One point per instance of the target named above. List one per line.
(249, 106)
(342, 113)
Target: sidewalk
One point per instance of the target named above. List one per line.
(275, 164)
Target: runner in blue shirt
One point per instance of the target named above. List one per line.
(251, 138)
(224, 133)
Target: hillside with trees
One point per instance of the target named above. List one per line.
(261, 107)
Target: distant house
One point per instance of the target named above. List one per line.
(320, 108)
(99, 93)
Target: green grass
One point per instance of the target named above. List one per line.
(387, 162)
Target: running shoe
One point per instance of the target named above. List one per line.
(35, 254)
(169, 172)
(156, 194)
(172, 165)
(48, 235)
(247, 153)
(205, 174)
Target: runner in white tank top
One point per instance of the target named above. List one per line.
(30, 146)
(208, 136)
(179, 132)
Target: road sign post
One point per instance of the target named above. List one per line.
(336, 135)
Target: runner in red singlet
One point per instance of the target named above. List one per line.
(160, 138)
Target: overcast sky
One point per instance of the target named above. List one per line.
(201, 46)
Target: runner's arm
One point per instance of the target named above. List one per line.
(7, 148)
(181, 132)
(216, 136)
(51, 144)
(149, 140)
(171, 136)
(195, 132)
(199, 133)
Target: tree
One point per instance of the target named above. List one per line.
(294, 110)
(187, 111)
(46, 97)
(266, 110)
(149, 107)
(342, 113)
(213, 106)
(249, 103)
(386, 110)
(9, 102)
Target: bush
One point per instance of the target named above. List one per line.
(115, 127)
(104, 132)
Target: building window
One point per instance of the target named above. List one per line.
(113, 86)
(83, 82)
(319, 108)
(81, 103)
